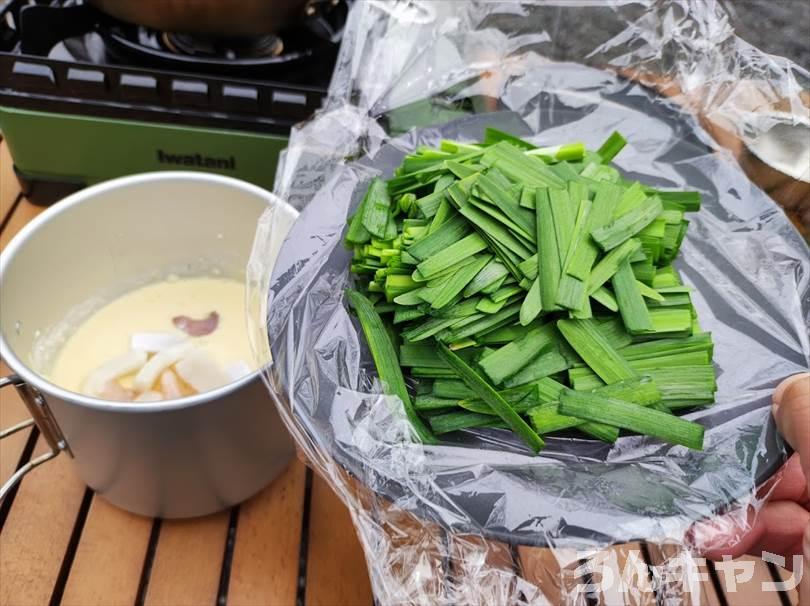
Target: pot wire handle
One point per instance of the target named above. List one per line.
(40, 417)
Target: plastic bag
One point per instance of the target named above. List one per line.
(460, 523)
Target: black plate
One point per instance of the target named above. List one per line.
(483, 481)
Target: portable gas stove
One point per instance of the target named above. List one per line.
(84, 97)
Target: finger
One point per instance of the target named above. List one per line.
(778, 528)
(804, 585)
(787, 484)
(791, 409)
(783, 524)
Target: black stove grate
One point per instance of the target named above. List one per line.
(68, 57)
(216, 47)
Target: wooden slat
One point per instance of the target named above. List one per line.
(407, 547)
(674, 582)
(109, 558)
(482, 571)
(708, 593)
(268, 535)
(23, 213)
(541, 568)
(332, 578)
(188, 561)
(12, 411)
(42, 516)
(788, 577)
(742, 591)
(622, 576)
(660, 555)
(37, 531)
(9, 186)
(552, 572)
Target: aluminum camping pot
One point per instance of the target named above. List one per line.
(214, 17)
(177, 458)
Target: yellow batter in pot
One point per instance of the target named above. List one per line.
(108, 332)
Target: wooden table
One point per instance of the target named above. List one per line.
(294, 543)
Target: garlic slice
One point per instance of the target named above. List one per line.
(150, 371)
(122, 365)
(153, 342)
(149, 396)
(200, 370)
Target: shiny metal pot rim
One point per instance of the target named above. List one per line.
(175, 458)
(35, 379)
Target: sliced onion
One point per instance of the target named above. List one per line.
(150, 396)
(120, 366)
(201, 371)
(114, 391)
(150, 371)
(197, 328)
(237, 370)
(153, 342)
(169, 385)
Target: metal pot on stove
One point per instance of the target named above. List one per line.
(233, 18)
(174, 458)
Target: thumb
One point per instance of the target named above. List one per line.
(804, 581)
(791, 409)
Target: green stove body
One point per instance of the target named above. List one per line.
(82, 150)
(84, 98)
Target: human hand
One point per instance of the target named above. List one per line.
(782, 526)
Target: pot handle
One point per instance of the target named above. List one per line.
(41, 417)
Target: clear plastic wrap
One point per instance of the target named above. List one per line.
(461, 523)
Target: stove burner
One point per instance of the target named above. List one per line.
(250, 47)
(209, 54)
(72, 30)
